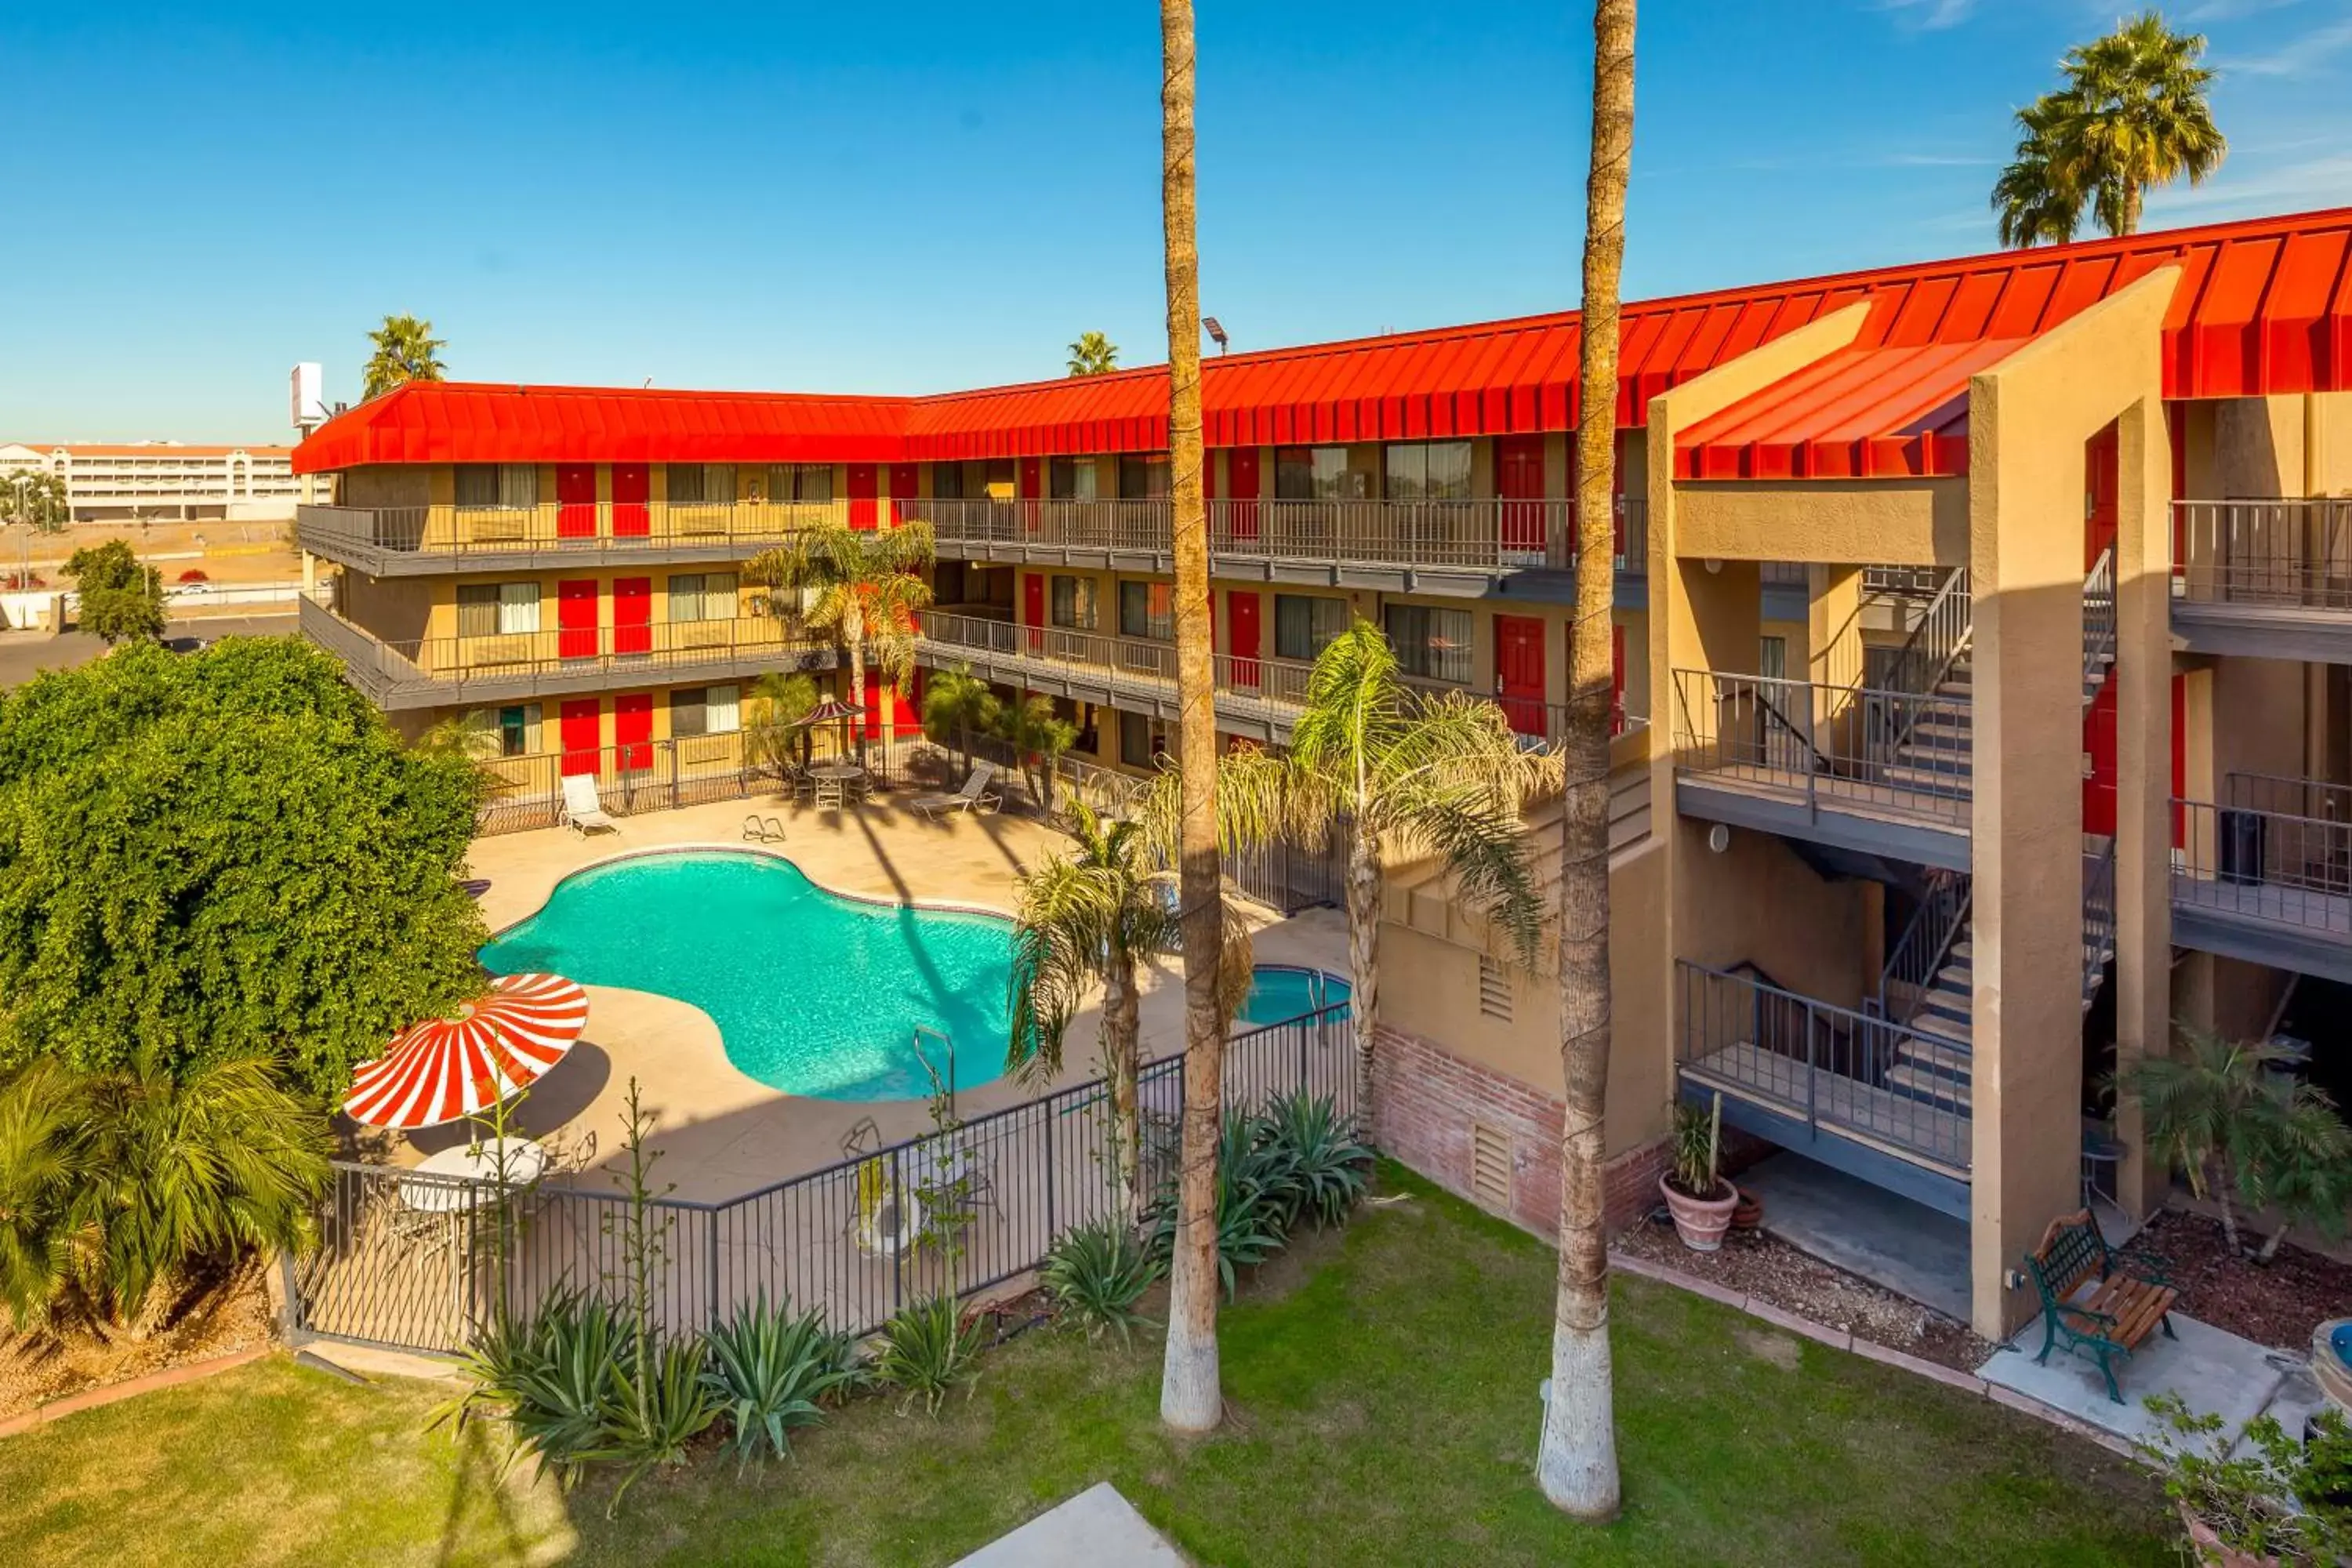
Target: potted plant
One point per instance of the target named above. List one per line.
(1697, 1195)
(2265, 1500)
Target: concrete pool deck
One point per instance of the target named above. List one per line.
(722, 1133)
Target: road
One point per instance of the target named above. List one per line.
(24, 655)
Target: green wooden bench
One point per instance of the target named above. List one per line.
(2095, 1298)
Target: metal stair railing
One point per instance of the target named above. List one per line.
(1919, 954)
(2098, 920)
(1928, 655)
(2098, 622)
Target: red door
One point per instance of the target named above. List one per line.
(2102, 479)
(863, 482)
(1240, 470)
(633, 731)
(1033, 608)
(575, 620)
(632, 512)
(1519, 481)
(1519, 671)
(902, 487)
(633, 615)
(1241, 615)
(575, 500)
(2099, 740)
(1032, 488)
(583, 735)
(2179, 756)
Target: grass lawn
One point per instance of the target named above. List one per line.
(1383, 1394)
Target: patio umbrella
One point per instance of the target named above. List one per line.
(827, 711)
(444, 1068)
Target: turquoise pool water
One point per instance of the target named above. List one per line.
(814, 993)
(1277, 994)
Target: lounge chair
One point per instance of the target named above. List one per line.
(584, 808)
(760, 830)
(975, 793)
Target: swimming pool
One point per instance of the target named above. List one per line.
(1279, 993)
(814, 993)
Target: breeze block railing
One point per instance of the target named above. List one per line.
(421, 1263)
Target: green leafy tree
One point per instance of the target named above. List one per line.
(1093, 354)
(221, 857)
(404, 350)
(1038, 736)
(956, 704)
(35, 498)
(780, 699)
(2134, 113)
(121, 600)
(868, 587)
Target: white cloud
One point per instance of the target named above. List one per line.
(2286, 187)
(2231, 10)
(1930, 14)
(2299, 57)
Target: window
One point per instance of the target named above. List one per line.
(1316, 473)
(702, 597)
(1148, 610)
(500, 487)
(496, 609)
(1143, 476)
(998, 480)
(810, 483)
(1428, 470)
(1304, 626)
(1139, 741)
(1070, 479)
(694, 483)
(947, 481)
(1074, 603)
(1431, 643)
(703, 710)
(519, 731)
(1772, 659)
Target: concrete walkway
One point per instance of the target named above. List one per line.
(1095, 1529)
(2211, 1370)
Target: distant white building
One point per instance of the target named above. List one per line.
(166, 481)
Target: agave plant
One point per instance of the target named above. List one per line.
(927, 1350)
(1328, 1167)
(1257, 1197)
(660, 1403)
(771, 1369)
(1097, 1273)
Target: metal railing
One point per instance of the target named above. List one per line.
(2290, 796)
(1903, 581)
(2270, 866)
(2098, 919)
(443, 669)
(1826, 1065)
(1139, 666)
(1832, 745)
(2098, 622)
(374, 535)
(421, 1263)
(1919, 954)
(1937, 643)
(2286, 552)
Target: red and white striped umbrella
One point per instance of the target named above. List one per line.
(444, 1068)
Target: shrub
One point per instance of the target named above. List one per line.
(195, 574)
(927, 1350)
(553, 1378)
(2266, 1496)
(1097, 1273)
(771, 1369)
(1328, 1167)
(661, 1402)
(1257, 1195)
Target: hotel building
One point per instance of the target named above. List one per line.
(1982, 631)
(165, 481)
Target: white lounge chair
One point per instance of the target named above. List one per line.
(584, 808)
(975, 793)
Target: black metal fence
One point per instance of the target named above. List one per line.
(419, 1262)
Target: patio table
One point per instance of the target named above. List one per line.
(833, 780)
(525, 1161)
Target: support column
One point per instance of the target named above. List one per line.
(2143, 784)
(1832, 638)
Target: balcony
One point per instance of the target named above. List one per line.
(1877, 773)
(2267, 579)
(433, 672)
(418, 541)
(1449, 547)
(2267, 876)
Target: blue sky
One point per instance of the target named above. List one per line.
(908, 196)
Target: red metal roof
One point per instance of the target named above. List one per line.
(2263, 306)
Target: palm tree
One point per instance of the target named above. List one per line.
(784, 697)
(1192, 1397)
(405, 351)
(35, 499)
(1397, 771)
(869, 589)
(2134, 113)
(44, 1161)
(1089, 919)
(1575, 1458)
(1093, 354)
(957, 702)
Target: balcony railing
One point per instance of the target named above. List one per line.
(2271, 865)
(2287, 554)
(1832, 747)
(371, 535)
(1488, 535)
(420, 671)
(1138, 666)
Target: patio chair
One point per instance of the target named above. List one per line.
(975, 793)
(584, 808)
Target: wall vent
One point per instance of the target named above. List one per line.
(1493, 989)
(1490, 1165)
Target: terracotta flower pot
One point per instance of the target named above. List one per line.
(1700, 1222)
(1749, 1213)
(2211, 1553)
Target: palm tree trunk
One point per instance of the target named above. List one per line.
(1190, 1398)
(1576, 1462)
(2222, 1184)
(855, 647)
(1363, 960)
(1120, 1033)
(2270, 1243)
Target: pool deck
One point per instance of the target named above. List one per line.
(722, 1133)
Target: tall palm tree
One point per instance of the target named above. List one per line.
(1093, 354)
(405, 351)
(1397, 771)
(956, 704)
(1192, 1397)
(2134, 113)
(868, 588)
(35, 498)
(1089, 919)
(1576, 1458)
